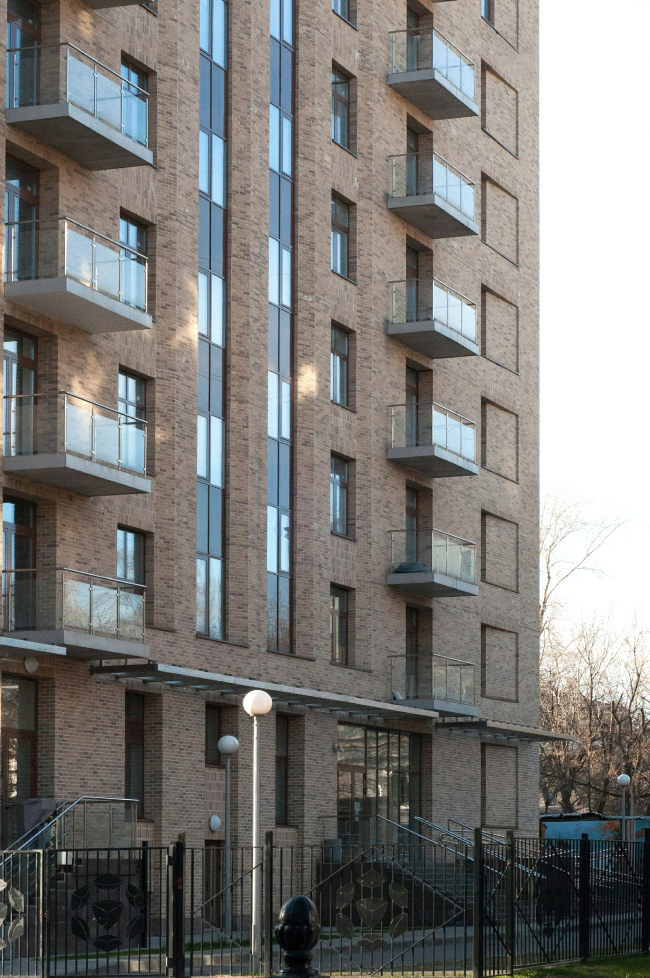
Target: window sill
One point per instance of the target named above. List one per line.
(343, 665)
(345, 149)
(344, 277)
(343, 536)
(292, 655)
(222, 641)
(344, 406)
(353, 26)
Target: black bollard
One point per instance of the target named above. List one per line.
(297, 932)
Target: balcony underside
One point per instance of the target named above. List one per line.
(79, 136)
(106, 4)
(443, 707)
(10, 648)
(429, 584)
(433, 339)
(68, 301)
(82, 475)
(79, 645)
(432, 215)
(433, 94)
(432, 461)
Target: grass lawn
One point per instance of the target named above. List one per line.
(630, 966)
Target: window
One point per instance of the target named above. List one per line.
(134, 748)
(18, 551)
(19, 742)
(130, 556)
(131, 405)
(133, 237)
(412, 41)
(412, 385)
(134, 102)
(411, 524)
(487, 10)
(340, 234)
(340, 108)
(412, 161)
(339, 366)
(21, 213)
(339, 632)
(212, 733)
(19, 382)
(23, 35)
(339, 483)
(412, 643)
(412, 274)
(343, 9)
(281, 770)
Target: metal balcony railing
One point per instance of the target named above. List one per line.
(59, 422)
(432, 551)
(52, 599)
(51, 74)
(432, 677)
(430, 424)
(50, 249)
(422, 299)
(425, 48)
(418, 174)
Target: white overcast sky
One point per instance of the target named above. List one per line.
(595, 268)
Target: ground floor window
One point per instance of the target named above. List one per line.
(18, 754)
(378, 783)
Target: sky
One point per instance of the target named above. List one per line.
(595, 280)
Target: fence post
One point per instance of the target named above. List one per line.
(178, 908)
(645, 894)
(479, 896)
(144, 886)
(584, 899)
(510, 902)
(268, 889)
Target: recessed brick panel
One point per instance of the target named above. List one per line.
(500, 220)
(499, 787)
(500, 110)
(499, 664)
(499, 558)
(500, 440)
(500, 337)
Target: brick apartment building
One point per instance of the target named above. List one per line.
(320, 223)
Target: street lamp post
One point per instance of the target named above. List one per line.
(227, 746)
(624, 782)
(257, 703)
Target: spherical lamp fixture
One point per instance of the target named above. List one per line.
(257, 703)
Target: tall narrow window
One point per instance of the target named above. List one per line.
(412, 384)
(340, 108)
(134, 748)
(339, 484)
(412, 161)
(342, 8)
(339, 625)
(19, 385)
(23, 36)
(340, 237)
(412, 41)
(487, 10)
(130, 555)
(21, 214)
(339, 364)
(133, 283)
(18, 553)
(411, 524)
(281, 769)
(212, 733)
(18, 756)
(412, 629)
(132, 408)
(134, 102)
(412, 273)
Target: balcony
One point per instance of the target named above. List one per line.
(431, 318)
(67, 441)
(432, 74)
(432, 195)
(434, 682)
(65, 99)
(432, 440)
(65, 271)
(94, 617)
(432, 564)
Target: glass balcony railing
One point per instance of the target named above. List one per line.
(50, 249)
(56, 73)
(419, 299)
(424, 48)
(433, 677)
(53, 599)
(432, 551)
(60, 422)
(430, 424)
(418, 174)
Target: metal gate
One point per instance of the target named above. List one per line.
(21, 914)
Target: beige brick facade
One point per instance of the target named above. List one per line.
(81, 716)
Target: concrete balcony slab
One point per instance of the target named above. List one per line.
(69, 301)
(80, 645)
(433, 215)
(444, 707)
(433, 339)
(431, 92)
(79, 136)
(430, 584)
(432, 460)
(85, 476)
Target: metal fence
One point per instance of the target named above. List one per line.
(449, 907)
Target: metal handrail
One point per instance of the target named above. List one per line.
(65, 807)
(422, 32)
(443, 533)
(439, 828)
(440, 159)
(435, 281)
(70, 220)
(73, 47)
(77, 397)
(392, 407)
(488, 835)
(73, 570)
(432, 655)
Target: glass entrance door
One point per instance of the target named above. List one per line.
(18, 754)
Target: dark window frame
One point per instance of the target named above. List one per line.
(339, 485)
(339, 103)
(343, 231)
(337, 616)
(282, 772)
(137, 535)
(212, 755)
(134, 736)
(344, 358)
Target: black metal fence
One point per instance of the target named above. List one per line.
(441, 908)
